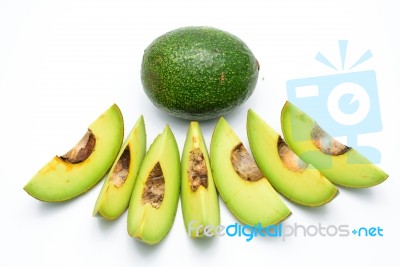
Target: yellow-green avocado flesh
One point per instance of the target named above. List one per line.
(340, 164)
(155, 195)
(242, 186)
(199, 196)
(68, 176)
(288, 174)
(116, 192)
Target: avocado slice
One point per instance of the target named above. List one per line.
(342, 165)
(116, 192)
(298, 181)
(155, 195)
(199, 198)
(65, 177)
(242, 186)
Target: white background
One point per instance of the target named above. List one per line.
(62, 63)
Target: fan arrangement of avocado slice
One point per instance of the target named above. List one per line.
(116, 192)
(155, 196)
(298, 181)
(72, 174)
(242, 186)
(199, 196)
(303, 167)
(342, 165)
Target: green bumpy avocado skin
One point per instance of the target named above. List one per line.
(198, 73)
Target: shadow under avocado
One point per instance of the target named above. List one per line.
(50, 208)
(144, 249)
(204, 243)
(358, 192)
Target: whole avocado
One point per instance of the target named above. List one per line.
(198, 73)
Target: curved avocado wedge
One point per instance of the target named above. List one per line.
(155, 195)
(288, 174)
(342, 165)
(116, 192)
(242, 186)
(199, 196)
(68, 176)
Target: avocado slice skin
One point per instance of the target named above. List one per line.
(199, 197)
(68, 176)
(340, 164)
(155, 196)
(116, 192)
(246, 192)
(288, 174)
